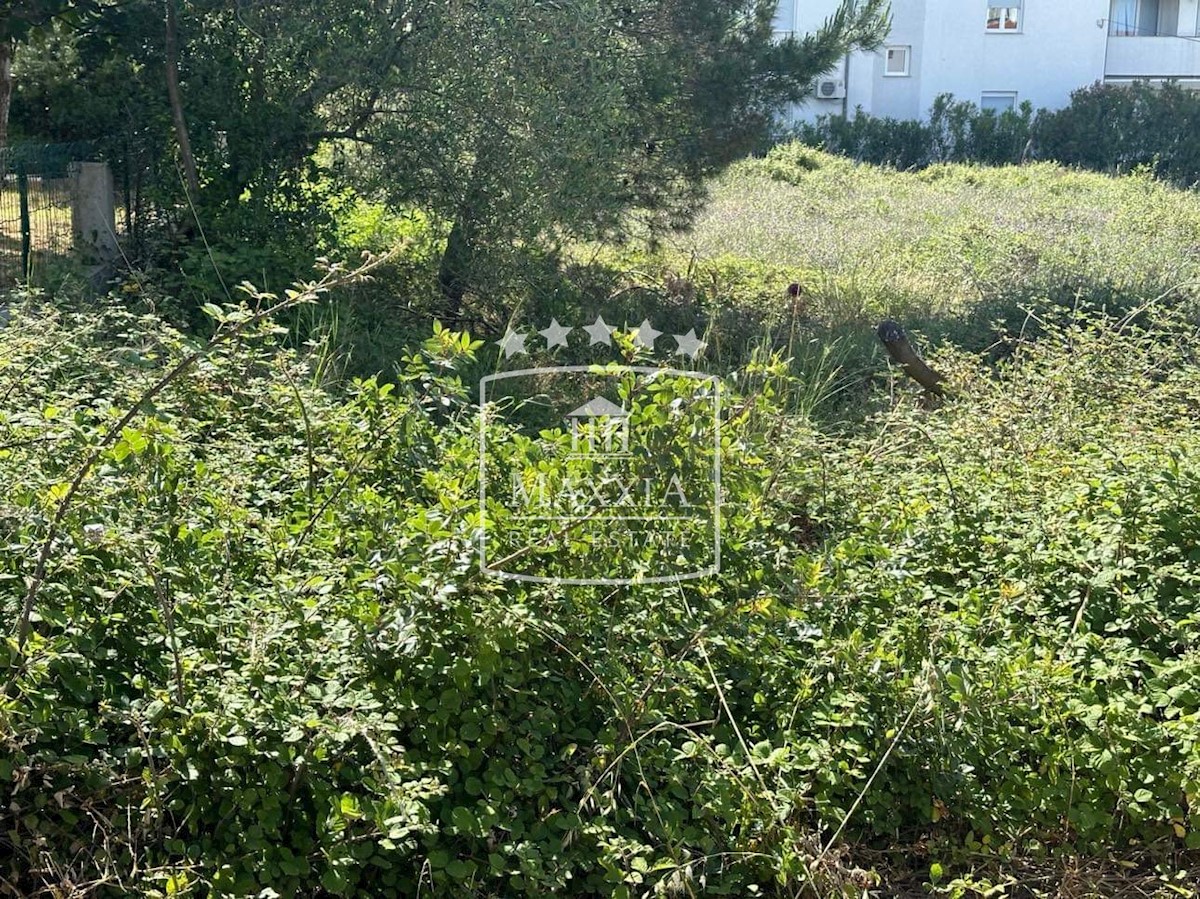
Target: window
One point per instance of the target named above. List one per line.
(1144, 18)
(897, 61)
(1005, 19)
(1123, 17)
(998, 101)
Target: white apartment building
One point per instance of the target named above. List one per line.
(1001, 56)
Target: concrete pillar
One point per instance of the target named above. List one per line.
(93, 214)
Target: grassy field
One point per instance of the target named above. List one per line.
(952, 651)
(952, 242)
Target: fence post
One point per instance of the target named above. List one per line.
(94, 216)
(26, 227)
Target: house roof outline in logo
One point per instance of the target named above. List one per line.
(598, 407)
(600, 425)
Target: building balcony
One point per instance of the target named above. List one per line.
(1132, 57)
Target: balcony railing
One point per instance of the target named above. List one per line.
(1131, 56)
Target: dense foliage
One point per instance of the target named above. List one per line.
(1106, 127)
(954, 131)
(264, 660)
(515, 123)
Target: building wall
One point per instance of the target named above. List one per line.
(805, 16)
(900, 97)
(1189, 17)
(1063, 45)
(1060, 47)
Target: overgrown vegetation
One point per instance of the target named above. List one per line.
(950, 650)
(248, 648)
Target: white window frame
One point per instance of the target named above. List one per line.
(907, 49)
(998, 94)
(1018, 5)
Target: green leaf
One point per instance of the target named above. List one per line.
(464, 819)
(334, 881)
(135, 440)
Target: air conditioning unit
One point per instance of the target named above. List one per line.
(831, 89)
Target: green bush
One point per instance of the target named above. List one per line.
(1114, 128)
(1106, 128)
(265, 638)
(264, 659)
(955, 131)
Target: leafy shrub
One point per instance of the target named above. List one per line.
(1106, 128)
(1117, 128)
(265, 638)
(955, 131)
(264, 659)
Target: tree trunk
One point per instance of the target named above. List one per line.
(6, 87)
(181, 130)
(454, 273)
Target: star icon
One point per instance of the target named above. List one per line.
(556, 334)
(644, 335)
(689, 344)
(513, 343)
(600, 332)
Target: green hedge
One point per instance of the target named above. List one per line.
(1109, 128)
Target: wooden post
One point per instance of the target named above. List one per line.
(896, 341)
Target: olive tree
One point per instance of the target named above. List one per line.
(517, 122)
(546, 119)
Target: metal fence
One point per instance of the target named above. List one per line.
(35, 208)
